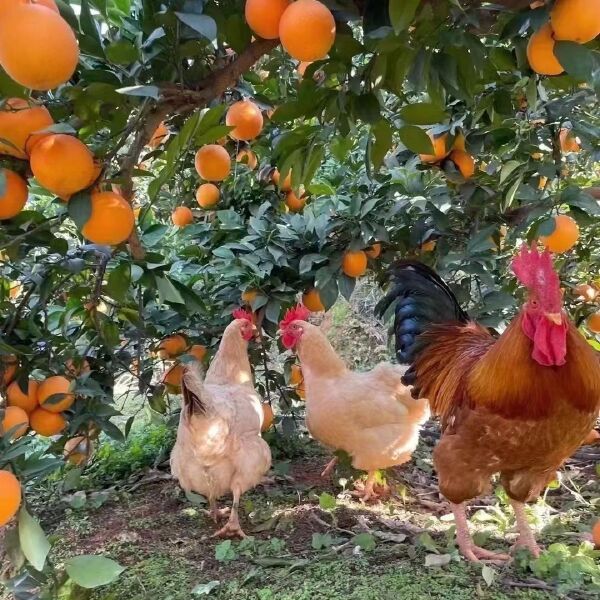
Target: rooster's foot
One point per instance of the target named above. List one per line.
(231, 529)
(476, 554)
(528, 544)
(217, 514)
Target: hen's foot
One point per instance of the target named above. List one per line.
(231, 529)
(328, 470)
(529, 544)
(476, 554)
(370, 492)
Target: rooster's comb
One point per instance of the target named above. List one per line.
(534, 270)
(242, 313)
(298, 313)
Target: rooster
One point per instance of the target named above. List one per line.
(219, 448)
(370, 415)
(519, 404)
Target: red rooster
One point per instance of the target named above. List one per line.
(518, 405)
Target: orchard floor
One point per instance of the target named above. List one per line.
(406, 550)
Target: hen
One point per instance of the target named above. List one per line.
(518, 405)
(219, 448)
(370, 415)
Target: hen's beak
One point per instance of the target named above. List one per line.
(555, 318)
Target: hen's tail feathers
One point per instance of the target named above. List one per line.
(192, 388)
(421, 299)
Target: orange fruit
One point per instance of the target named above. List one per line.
(540, 52)
(576, 20)
(78, 450)
(428, 246)
(464, 162)
(249, 296)
(62, 164)
(564, 236)
(38, 49)
(46, 423)
(207, 195)
(14, 197)
(307, 30)
(286, 186)
(596, 533)
(439, 148)
(15, 417)
(459, 142)
(247, 119)
(213, 162)
(51, 4)
(8, 367)
(198, 351)
(263, 17)
(593, 322)
(294, 203)
(312, 300)
(354, 263)
(172, 346)
(173, 376)
(111, 221)
(10, 496)
(585, 291)
(268, 417)
(568, 141)
(182, 216)
(373, 251)
(159, 136)
(16, 397)
(302, 66)
(296, 377)
(53, 386)
(18, 120)
(247, 157)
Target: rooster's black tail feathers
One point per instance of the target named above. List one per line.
(421, 298)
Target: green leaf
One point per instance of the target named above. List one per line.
(2, 182)
(80, 208)
(90, 571)
(118, 282)
(423, 113)
(576, 59)
(383, 139)
(327, 501)
(365, 541)
(33, 540)
(367, 108)
(203, 24)
(546, 227)
(122, 52)
(167, 291)
(402, 13)
(415, 139)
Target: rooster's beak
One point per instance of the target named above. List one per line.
(555, 318)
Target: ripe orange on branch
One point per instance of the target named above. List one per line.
(15, 417)
(373, 251)
(286, 184)
(593, 322)
(14, 197)
(19, 119)
(568, 141)
(354, 263)
(312, 300)
(182, 216)
(54, 394)
(540, 52)
(38, 49)
(172, 346)
(10, 496)
(8, 367)
(16, 397)
(294, 203)
(564, 236)
(51, 4)
(307, 30)
(212, 162)
(268, 417)
(198, 351)
(246, 118)
(159, 136)
(62, 164)
(46, 423)
(464, 162)
(263, 17)
(576, 20)
(439, 148)
(207, 195)
(111, 220)
(247, 157)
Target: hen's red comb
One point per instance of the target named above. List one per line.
(298, 313)
(242, 313)
(534, 270)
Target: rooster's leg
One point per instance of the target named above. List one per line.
(367, 493)
(232, 527)
(526, 538)
(465, 543)
(329, 468)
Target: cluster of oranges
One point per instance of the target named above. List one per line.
(458, 154)
(306, 28)
(170, 348)
(589, 294)
(62, 164)
(570, 20)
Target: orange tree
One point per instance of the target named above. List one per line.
(375, 130)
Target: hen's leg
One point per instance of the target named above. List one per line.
(367, 493)
(465, 543)
(526, 538)
(329, 468)
(232, 527)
